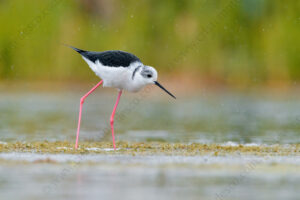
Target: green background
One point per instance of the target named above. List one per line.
(245, 42)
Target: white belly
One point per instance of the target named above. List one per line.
(116, 77)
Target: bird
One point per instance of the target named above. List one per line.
(117, 69)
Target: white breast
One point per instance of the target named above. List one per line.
(116, 77)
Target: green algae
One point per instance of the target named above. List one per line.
(150, 148)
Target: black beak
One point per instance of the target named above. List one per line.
(159, 85)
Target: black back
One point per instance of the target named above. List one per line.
(113, 58)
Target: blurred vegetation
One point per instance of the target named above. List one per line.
(246, 42)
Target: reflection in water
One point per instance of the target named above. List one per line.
(209, 119)
(226, 119)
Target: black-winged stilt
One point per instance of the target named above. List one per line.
(117, 69)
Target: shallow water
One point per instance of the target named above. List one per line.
(227, 119)
(149, 177)
(205, 119)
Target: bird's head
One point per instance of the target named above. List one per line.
(149, 76)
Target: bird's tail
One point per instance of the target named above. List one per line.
(74, 48)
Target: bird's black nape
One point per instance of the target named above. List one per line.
(159, 85)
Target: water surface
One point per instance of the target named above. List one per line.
(210, 118)
(228, 119)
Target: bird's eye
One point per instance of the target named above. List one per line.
(149, 75)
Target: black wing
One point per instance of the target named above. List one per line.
(112, 58)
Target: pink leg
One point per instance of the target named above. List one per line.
(112, 118)
(80, 110)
